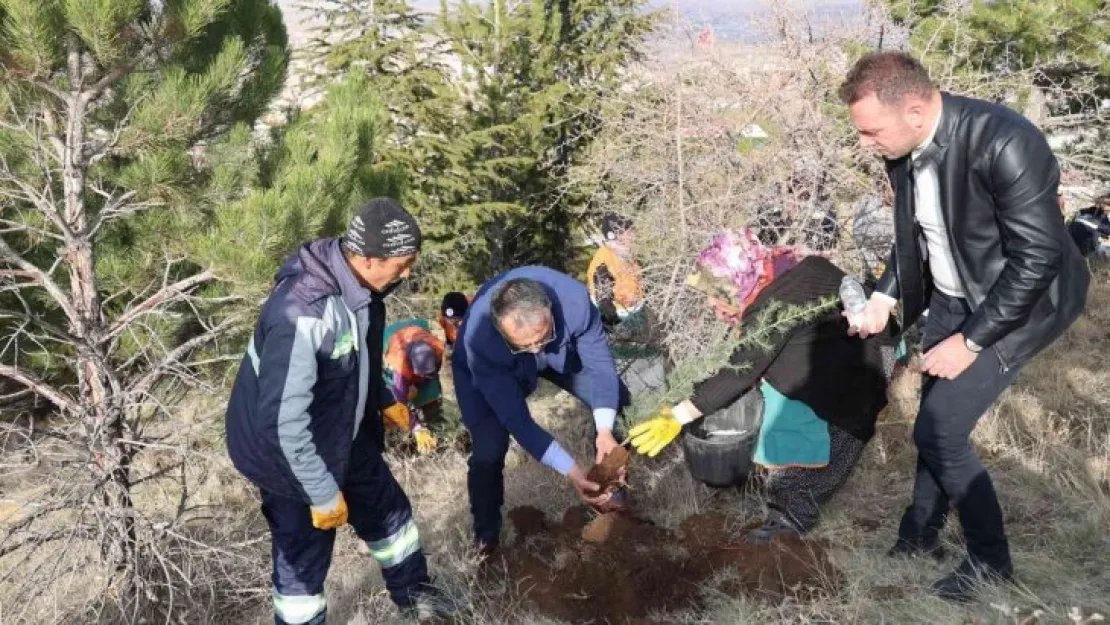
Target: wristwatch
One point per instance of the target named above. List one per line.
(972, 346)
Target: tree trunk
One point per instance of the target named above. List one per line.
(103, 416)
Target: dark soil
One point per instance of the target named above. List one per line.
(610, 471)
(617, 568)
(609, 475)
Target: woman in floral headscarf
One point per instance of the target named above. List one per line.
(822, 389)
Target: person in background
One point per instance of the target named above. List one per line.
(304, 417)
(613, 277)
(614, 281)
(452, 310)
(802, 213)
(413, 357)
(1090, 228)
(979, 240)
(822, 391)
(525, 324)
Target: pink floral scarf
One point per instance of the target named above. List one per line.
(741, 266)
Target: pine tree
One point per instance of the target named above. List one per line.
(307, 182)
(406, 64)
(142, 218)
(1063, 40)
(492, 102)
(536, 72)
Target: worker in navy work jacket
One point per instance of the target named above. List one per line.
(525, 324)
(304, 419)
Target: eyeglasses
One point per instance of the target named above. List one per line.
(532, 348)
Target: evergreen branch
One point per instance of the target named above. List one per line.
(115, 75)
(40, 388)
(36, 198)
(165, 295)
(39, 277)
(778, 319)
(759, 333)
(51, 329)
(116, 208)
(146, 384)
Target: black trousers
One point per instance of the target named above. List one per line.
(948, 471)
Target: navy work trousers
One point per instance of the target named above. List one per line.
(380, 514)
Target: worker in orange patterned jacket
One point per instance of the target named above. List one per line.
(413, 357)
(613, 277)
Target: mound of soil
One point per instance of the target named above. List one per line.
(617, 568)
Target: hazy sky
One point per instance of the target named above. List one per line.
(681, 5)
(727, 17)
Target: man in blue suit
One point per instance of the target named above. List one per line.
(525, 324)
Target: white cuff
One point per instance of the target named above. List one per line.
(557, 458)
(682, 414)
(604, 418)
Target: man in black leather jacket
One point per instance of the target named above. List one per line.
(979, 242)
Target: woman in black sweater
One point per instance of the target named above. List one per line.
(826, 383)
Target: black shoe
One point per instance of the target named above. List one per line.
(914, 549)
(432, 605)
(964, 583)
(774, 526)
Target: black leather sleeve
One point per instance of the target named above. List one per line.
(1024, 179)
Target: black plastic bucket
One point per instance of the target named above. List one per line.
(718, 448)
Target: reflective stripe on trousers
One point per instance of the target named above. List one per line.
(395, 548)
(298, 609)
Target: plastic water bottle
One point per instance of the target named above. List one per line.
(854, 300)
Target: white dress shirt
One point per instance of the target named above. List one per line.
(926, 196)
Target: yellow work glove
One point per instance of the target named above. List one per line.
(650, 437)
(425, 441)
(330, 515)
(397, 416)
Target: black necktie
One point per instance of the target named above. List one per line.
(929, 156)
(911, 283)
